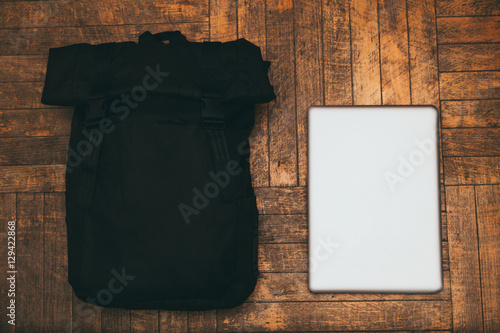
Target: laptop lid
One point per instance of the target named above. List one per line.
(374, 199)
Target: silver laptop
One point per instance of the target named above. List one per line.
(374, 207)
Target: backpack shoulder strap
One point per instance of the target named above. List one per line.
(95, 111)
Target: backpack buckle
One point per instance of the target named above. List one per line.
(96, 110)
(212, 113)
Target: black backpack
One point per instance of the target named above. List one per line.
(160, 209)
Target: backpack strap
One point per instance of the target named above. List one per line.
(212, 113)
(95, 112)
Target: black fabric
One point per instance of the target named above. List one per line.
(160, 210)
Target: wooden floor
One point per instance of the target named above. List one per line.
(444, 52)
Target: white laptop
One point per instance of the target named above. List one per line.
(374, 205)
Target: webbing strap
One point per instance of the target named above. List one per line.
(212, 114)
(96, 110)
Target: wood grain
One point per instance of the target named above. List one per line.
(85, 317)
(115, 320)
(28, 150)
(287, 200)
(92, 13)
(37, 41)
(488, 213)
(469, 57)
(467, 7)
(21, 95)
(482, 113)
(336, 316)
(479, 29)
(7, 213)
(32, 178)
(22, 68)
(223, 20)
(471, 141)
(57, 303)
(423, 53)
(464, 259)
(252, 26)
(472, 170)
(144, 321)
(337, 52)
(469, 85)
(30, 263)
(395, 71)
(308, 72)
(202, 321)
(283, 228)
(293, 287)
(365, 53)
(173, 321)
(282, 111)
(40, 122)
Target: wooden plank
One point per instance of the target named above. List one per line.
(423, 53)
(424, 77)
(39, 122)
(281, 258)
(32, 178)
(275, 200)
(259, 148)
(115, 320)
(29, 284)
(282, 111)
(22, 68)
(173, 321)
(144, 321)
(464, 259)
(395, 71)
(21, 95)
(333, 316)
(482, 113)
(293, 287)
(282, 228)
(292, 257)
(467, 7)
(252, 27)
(91, 12)
(308, 72)
(202, 321)
(365, 52)
(57, 293)
(85, 317)
(478, 29)
(472, 170)
(29, 150)
(469, 57)
(444, 227)
(32, 41)
(471, 141)
(488, 213)
(7, 213)
(469, 85)
(337, 52)
(223, 20)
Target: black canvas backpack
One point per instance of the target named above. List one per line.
(160, 210)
